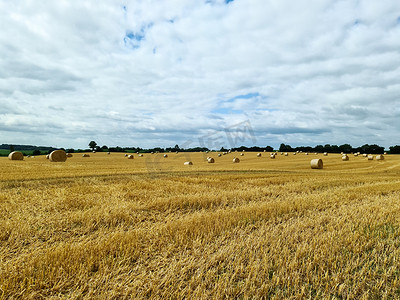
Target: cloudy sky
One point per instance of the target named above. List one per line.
(159, 73)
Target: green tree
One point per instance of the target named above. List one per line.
(92, 145)
(11, 148)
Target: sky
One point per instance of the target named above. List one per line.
(213, 73)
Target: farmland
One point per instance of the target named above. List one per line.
(107, 227)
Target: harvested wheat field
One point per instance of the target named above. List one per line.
(107, 227)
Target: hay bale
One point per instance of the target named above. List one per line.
(316, 153)
(188, 163)
(85, 155)
(355, 154)
(306, 153)
(108, 153)
(130, 156)
(94, 151)
(16, 155)
(317, 163)
(380, 157)
(365, 155)
(272, 156)
(69, 154)
(370, 157)
(210, 160)
(176, 152)
(345, 157)
(285, 154)
(152, 152)
(165, 155)
(385, 153)
(140, 155)
(219, 154)
(265, 150)
(58, 156)
(236, 160)
(241, 154)
(47, 156)
(325, 153)
(258, 154)
(126, 154)
(294, 153)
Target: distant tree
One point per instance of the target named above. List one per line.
(285, 148)
(11, 148)
(70, 150)
(346, 148)
(269, 149)
(176, 148)
(394, 149)
(104, 147)
(92, 145)
(36, 152)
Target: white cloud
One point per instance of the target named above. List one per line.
(157, 73)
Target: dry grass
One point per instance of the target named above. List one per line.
(108, 227)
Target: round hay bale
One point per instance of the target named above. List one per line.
(16, 155)
(47, 156)
(69, 154)
(130, 156)
(236, 160)
(126, 154)
(385, 153)
(317, 163)
(94, 151)
(306, 153)
(365, 155)
(176, 152)
(108, 153)
(188, 163)
(355, 154)
(325, 153)
(272, 156)
(258, 154)
(140, 155)
(370, 157)
(345, 157)
(85, 155)
(165, 155)
(28, 156)
(380, 157)
(286, 154)
(316, 153)
(241, 154)
(219, 154)
(265, 150)
(210, 160)
(152, 152)
(294, 153)
(58, 156)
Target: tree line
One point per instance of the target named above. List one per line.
(346, 148)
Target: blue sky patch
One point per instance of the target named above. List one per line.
(227, 1)
(245, 96)
(133, 39)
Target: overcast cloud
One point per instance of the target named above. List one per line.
(160, 73)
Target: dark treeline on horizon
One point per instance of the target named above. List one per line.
(346, 148)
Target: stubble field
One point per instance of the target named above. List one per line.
(109, 227)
